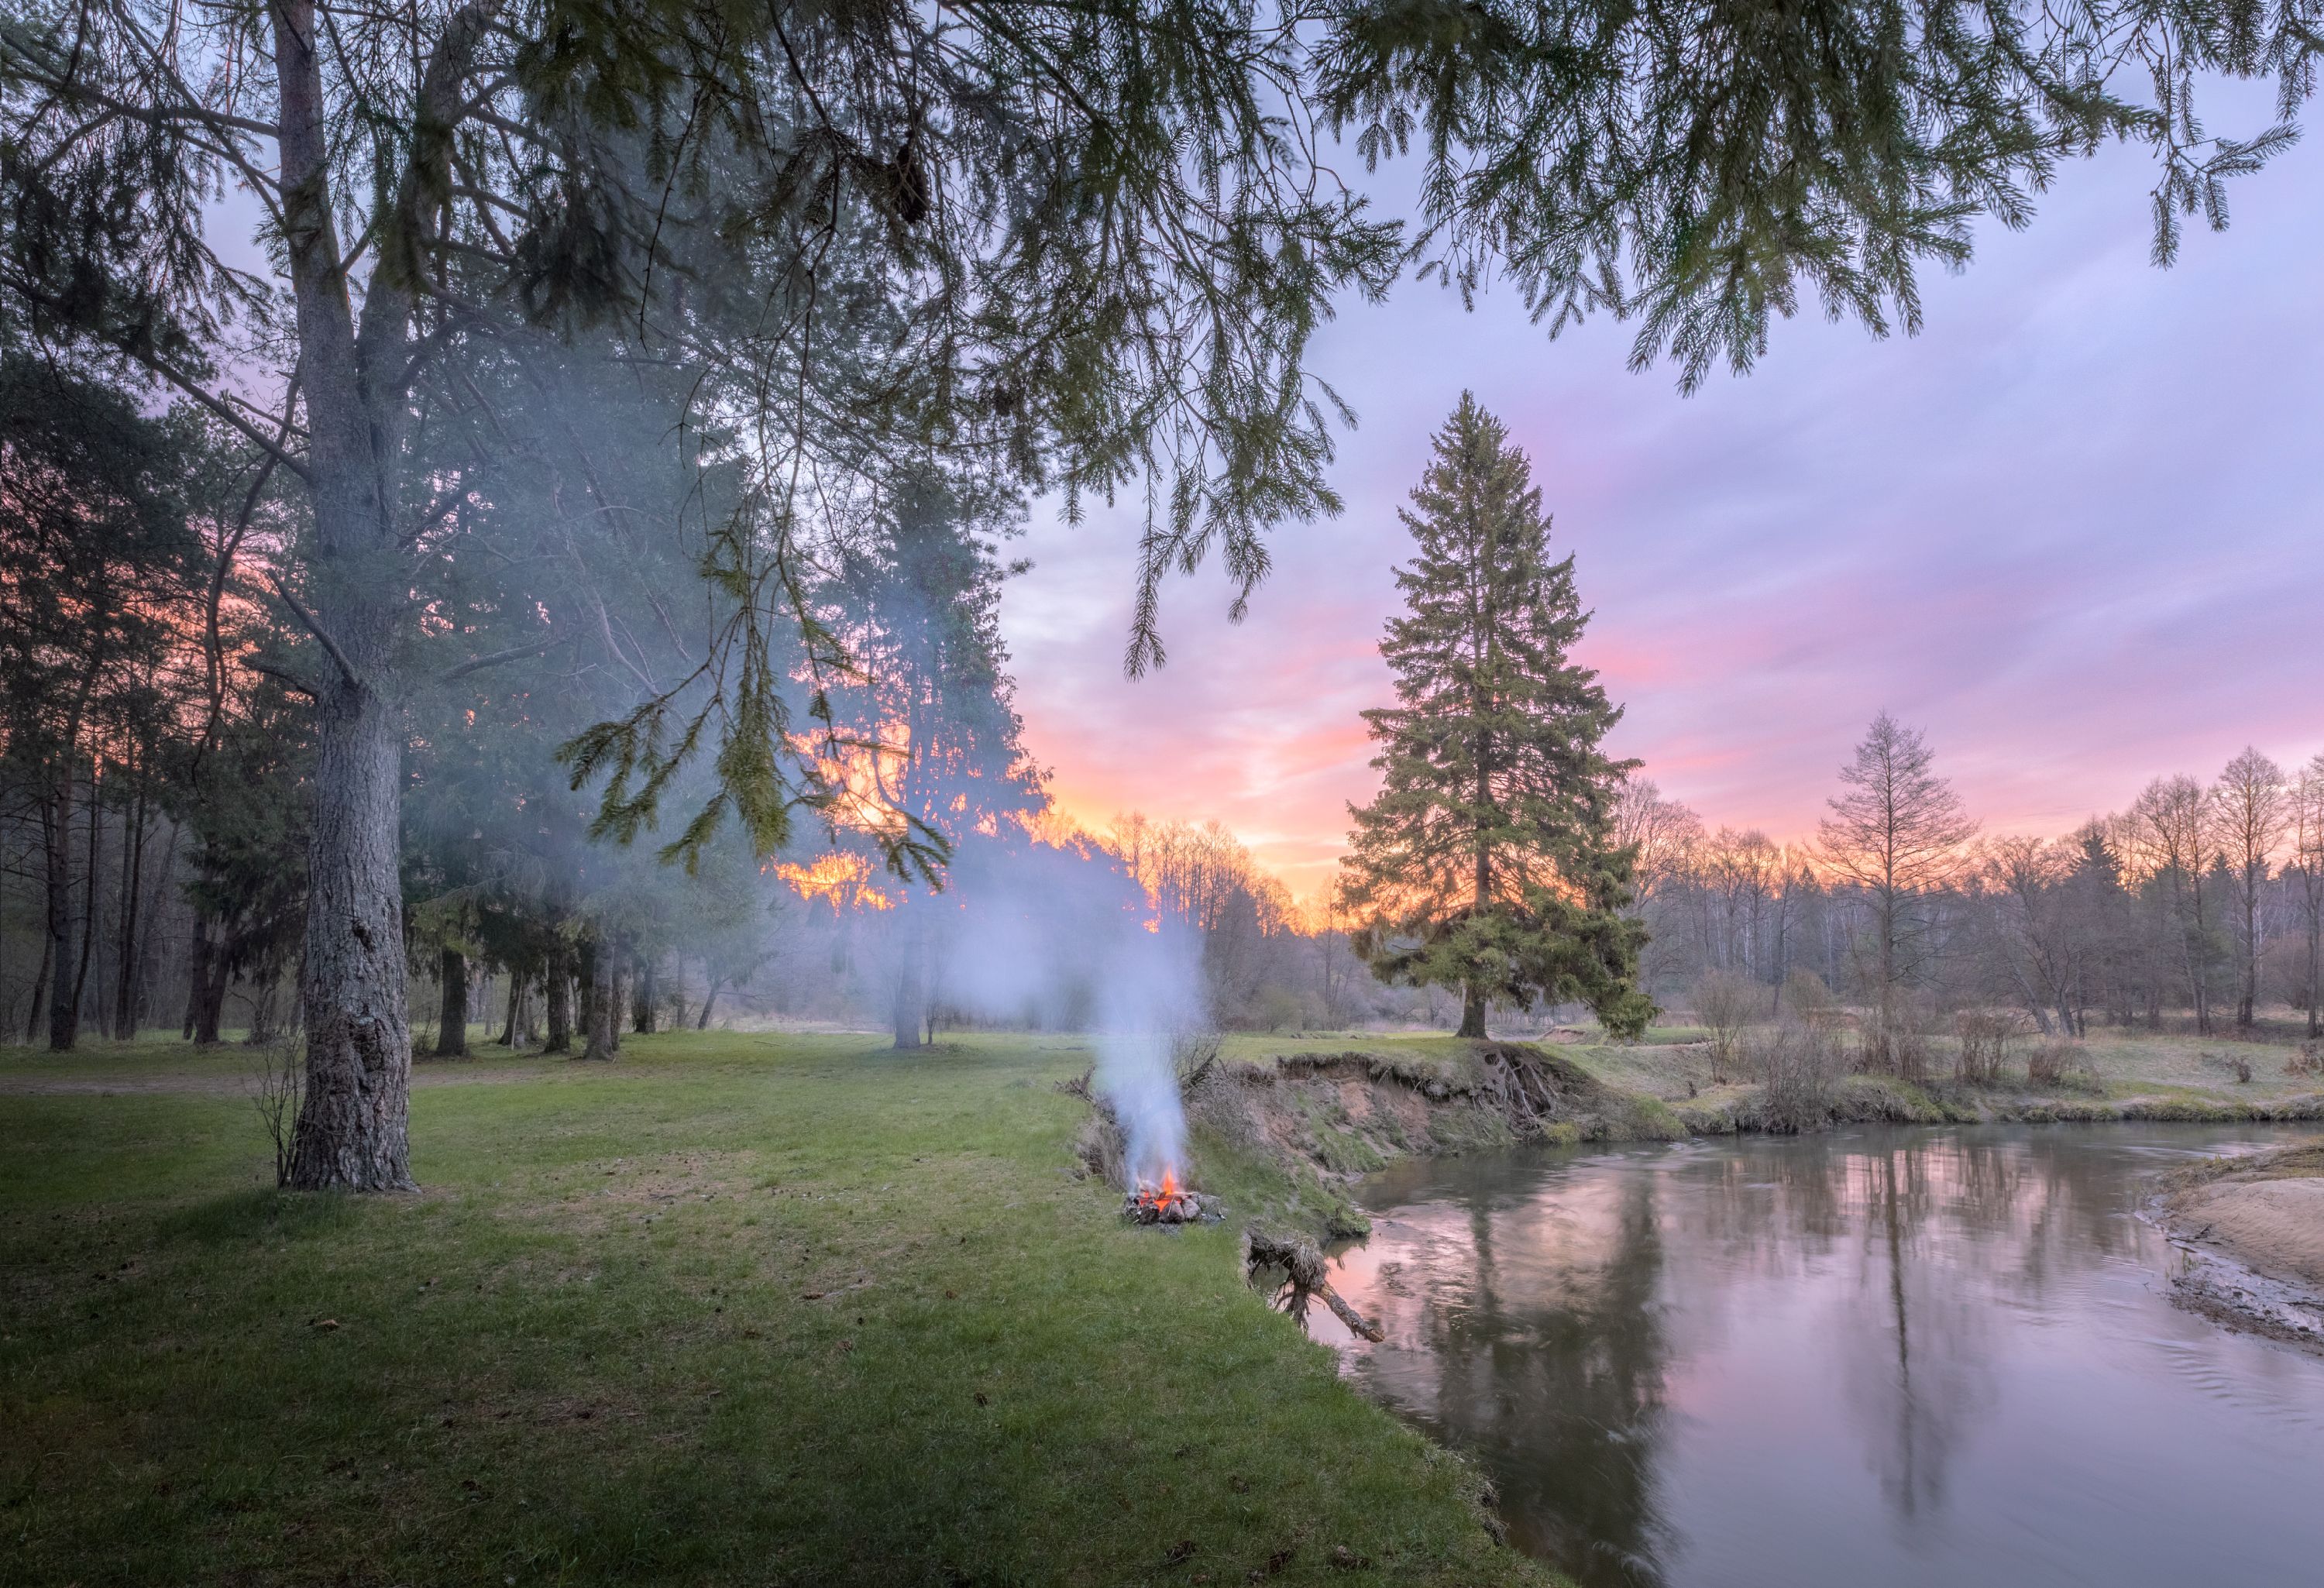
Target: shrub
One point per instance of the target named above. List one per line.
(1797, 1064)
(1984, 1038)
(1726, 1003)
(1277, 1007)
(2063, 1066)
(1807, 999)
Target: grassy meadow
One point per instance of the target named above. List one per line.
(735, 1308)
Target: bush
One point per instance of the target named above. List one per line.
(1984, 1038)
(2307, 1059)
(1807, 999)
(1726, 1003)
(1277, 1007)
(2063, 1066)
(1797, 1064)
(1906, 1047)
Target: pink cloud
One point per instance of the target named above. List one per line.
(2071, 531)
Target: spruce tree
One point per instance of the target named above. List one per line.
(1487, 861)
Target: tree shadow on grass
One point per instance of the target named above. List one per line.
(259, 1214)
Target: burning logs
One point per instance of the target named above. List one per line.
(1168, 1203)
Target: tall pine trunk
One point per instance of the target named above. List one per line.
(1472, 1011)
(40, 992)
(125, 976)
(452, 1021)
(206, 998)
(647, 990)
(909, 1009)
(352, 1125)
(56, 855)
(2315, 977)
(88, 921)
(2248, 1005)
(557, 985)
(351, 1132)
(597, 1005)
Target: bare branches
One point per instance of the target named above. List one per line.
(496, 658)
(322, 635)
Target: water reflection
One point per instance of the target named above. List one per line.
(1897, 1356)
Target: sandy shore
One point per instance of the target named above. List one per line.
(2253, 1228)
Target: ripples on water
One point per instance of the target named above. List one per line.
(1887, 1356)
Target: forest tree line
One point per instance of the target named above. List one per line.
(2193, 908)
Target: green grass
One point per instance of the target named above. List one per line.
(587, 1353)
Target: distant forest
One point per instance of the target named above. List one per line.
(2194, 909)
(2197, 909)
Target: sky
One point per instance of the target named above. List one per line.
(2071, 531)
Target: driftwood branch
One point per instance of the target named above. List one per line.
(1309, 1277)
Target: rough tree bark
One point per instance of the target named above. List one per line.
(56, 854)
(40, 992)
(88, 922)
(597, 1005)
(910, 1008)
(133, 869)
(617, 994)
(558, 987)
(205, 996)
(647, 990)
(352, 1125)
(452, 1021)
(507, 1038)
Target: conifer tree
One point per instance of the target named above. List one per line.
(1487, 861)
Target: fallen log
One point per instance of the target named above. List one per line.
(1308, 1276)
(1350, 1316)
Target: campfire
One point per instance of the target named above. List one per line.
(1167, 1203)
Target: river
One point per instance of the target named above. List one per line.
(1892, 1356)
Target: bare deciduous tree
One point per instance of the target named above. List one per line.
(2249, 813)
(2168, 838)
(1663, 832)
(2308, 860)
(1896, 831)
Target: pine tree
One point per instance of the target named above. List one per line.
(1487, 861)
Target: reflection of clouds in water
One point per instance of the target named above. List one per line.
(1882, 1355)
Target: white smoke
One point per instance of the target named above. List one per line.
(1054, 939)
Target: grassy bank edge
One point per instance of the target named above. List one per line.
(731, 1309)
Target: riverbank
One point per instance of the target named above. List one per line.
(732, 1309)
(1287, 1125)
(2252, 1225)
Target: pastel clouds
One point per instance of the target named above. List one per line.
(2071, 530)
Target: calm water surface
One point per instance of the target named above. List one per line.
(1883, 1356)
